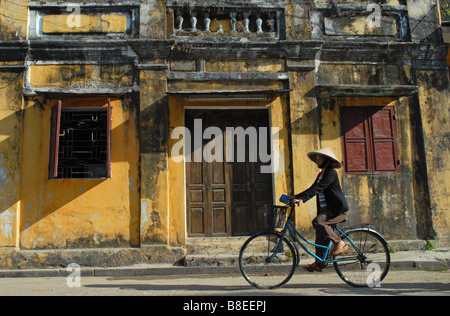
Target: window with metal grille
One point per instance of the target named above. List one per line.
(80, 143)
(369, 139)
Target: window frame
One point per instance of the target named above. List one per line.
(55, 140)
(38, 10)
(370, 140)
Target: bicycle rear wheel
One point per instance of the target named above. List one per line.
(267, 260)
(367, 260)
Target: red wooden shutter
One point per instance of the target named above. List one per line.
(54, 141)
(384, 140)
(356, 137)
(108, 140)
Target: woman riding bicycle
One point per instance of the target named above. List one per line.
(332, 207)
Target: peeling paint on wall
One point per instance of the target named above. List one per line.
(6, 224)
(144, 214)
(144, 202)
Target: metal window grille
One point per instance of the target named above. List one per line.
(83, 149)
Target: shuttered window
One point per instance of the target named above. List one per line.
(369, 140)
(54, 140)
(80, 142)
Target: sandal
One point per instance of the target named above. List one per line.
(340, 247)
(313, 267)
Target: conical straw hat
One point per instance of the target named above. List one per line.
(327, 152)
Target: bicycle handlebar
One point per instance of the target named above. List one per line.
(288, 200)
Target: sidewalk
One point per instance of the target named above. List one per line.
(438, 259)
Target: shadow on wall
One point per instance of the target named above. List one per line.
(74, 213)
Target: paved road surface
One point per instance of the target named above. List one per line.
(414, 282)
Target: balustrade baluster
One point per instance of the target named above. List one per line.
(246, 22)
(194, 21)
(207, 22)
(241, 22)
(179, 20)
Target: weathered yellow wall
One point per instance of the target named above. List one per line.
(305, 138)
(153, 19)
(298, 23)
(79, 213)
(104, 23)
(279, 118)
(146, 206)
(80, 76)
(225, 85)
(13, 20)
(300, 20)
(363, 74)
(177, 185)
(386, 201)
(357, 26)
(10, 128)
(153, 127)
(244, 65)
(434, 98)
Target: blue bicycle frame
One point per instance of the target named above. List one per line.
(289, 226)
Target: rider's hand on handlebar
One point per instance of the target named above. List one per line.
(295, 201)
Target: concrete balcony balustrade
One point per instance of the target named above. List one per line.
(229, 22)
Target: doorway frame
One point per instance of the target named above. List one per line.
(281, 179)
(229, 217)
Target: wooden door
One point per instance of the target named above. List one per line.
(208, 198)
(251, 189)
(226, 198)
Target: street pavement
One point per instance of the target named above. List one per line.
(412, 273)
(398, 282)
(425, 259)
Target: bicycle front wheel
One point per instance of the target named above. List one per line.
(267, 260)
(367, 260)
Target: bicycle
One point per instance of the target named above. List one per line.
(268, 259)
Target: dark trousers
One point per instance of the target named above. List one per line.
(324, 224)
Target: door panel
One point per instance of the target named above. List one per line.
(226, 198)
(252, 190)
(197, 224)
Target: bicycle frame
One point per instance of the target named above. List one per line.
(289, 226)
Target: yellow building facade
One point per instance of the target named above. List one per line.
(109, 110)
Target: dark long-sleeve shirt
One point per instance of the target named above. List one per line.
(330, 186)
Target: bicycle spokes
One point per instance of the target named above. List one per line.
(367, 259)
(267, 260)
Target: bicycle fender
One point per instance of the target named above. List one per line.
(368, 229)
